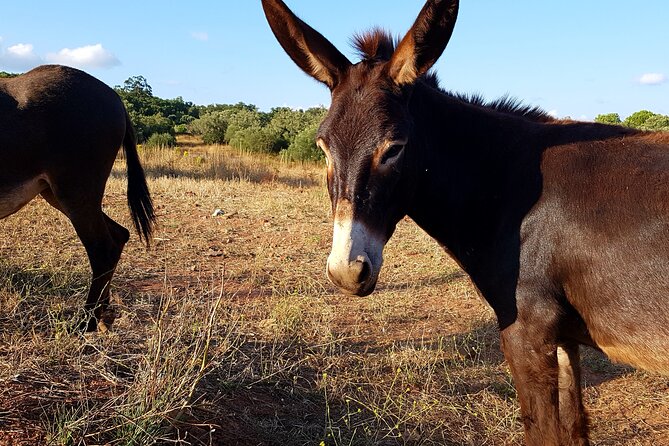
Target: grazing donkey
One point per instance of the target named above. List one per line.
(562, 226)
(60, 131)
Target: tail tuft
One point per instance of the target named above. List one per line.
(139, 198)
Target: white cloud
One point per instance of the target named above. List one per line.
(88, 56)
(652, 79)
(21, 50)
(200, 35)
(19, 57)
(553, 113)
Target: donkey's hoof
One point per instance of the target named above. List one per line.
(106, 320)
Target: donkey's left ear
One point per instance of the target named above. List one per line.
(307, 47)
(424, 42)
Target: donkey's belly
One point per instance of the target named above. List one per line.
(625, 311)
(15, 197)
(642, 356)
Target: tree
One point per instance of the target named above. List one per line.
(637, 120)
(657, 123)
(137, 85)
(4, 74)
(145, 126)
(609, 118)
(211, 127)
(151, 114)
(304, 147)
(240, 119)
(257, 139)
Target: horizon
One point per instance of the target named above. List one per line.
(605, 59)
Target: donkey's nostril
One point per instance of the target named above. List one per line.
(363, 268)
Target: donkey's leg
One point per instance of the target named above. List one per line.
(573, 419)
(103, 240)
(104, 252)
(532, 357)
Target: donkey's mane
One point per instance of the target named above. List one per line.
(378, 45)
(375, 45)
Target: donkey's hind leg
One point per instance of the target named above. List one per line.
(103, 240)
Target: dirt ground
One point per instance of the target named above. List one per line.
(227, 331)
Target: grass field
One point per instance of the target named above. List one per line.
(227, 331)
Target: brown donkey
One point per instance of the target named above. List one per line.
(60, 131)
(562, 226)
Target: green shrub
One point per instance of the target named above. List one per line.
(257, 139)
(145, 126)
(161, 140)
(609, 118)
(181, 129)
(241, 120)
(656, 122)
(637, 120)
(304, 147)
(211, 127)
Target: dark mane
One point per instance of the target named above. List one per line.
(378, 45)
(505, 104)
(375, 45)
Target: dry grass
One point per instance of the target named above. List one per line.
(228, 333)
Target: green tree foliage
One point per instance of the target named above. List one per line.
(642, 120)
(146, 126)
(245, 127)
(241, 119)
(281, 130)
(637, 119)
(211, 126)
(151, 114)
(609, 118)
(256, 139)
(4, 74)
(656, 122)
(161, 141)
(304, 147)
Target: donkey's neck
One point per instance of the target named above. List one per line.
(478, 174)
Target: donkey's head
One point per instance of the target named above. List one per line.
(367, 133)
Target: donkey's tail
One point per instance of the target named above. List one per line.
(139, 198)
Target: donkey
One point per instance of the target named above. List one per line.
(562, 226)
(60, 132)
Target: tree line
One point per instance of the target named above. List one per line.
(283, 131)
(642, 120)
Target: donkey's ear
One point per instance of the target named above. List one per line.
(424, 42)
(307, 47)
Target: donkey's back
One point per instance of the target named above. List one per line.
(54, 113)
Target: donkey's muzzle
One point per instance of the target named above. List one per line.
(356, 277)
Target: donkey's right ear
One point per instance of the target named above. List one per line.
(307, 47)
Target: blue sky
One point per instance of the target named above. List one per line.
(574, 58)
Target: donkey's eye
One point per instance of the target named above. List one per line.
(392, 153)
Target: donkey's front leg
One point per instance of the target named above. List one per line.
(573, 419)
(532, 357)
